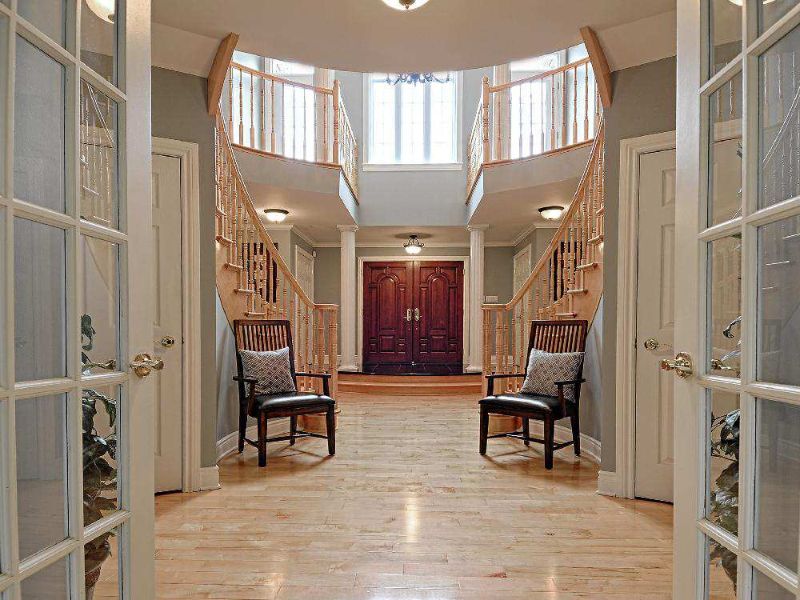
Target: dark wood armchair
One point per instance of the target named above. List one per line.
(549, 336)
(263, 335)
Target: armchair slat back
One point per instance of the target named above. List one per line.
(558, 336)
(263, 335)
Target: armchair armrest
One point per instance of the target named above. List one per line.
(561, 384)
(490, 379)
(251, 390)
(326, 389)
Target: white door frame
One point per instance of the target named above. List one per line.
(627, 291)
(360, 303)
(189, 155)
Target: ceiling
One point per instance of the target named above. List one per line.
(366, 35)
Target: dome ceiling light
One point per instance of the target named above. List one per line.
(551, 213)
(413, 245)
(405, 4)
(276, 215)
(104, 9)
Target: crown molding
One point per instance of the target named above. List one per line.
(308, 240)
(278, 226)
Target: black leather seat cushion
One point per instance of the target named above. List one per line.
(525, 403)
(290, 400)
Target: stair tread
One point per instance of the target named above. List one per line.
(585, 266)
(578, 291)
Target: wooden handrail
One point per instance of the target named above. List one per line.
(539, 76)
(279, 79)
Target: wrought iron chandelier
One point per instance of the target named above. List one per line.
(415, 78)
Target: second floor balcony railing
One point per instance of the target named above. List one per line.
(543, 113)
(281, 117)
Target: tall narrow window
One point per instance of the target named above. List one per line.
(412, 123)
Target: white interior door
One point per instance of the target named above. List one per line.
(737, 489)
(654, 326)
(168, 322)
(304, 270)
(76, 467)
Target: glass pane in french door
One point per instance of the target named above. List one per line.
(99, 37)
(100, 410)
(722, 476)
(99, 157)
(721, 568)
(779, 121)
(102, 565)
(100, 315)
(725, 305)
(778, 302)
(42, 462)
(48, 584)
(40, 300)
(770, 11)
(39, 129)
(777, 490)
(725, 152)
(766, 589)
(49, 16)
(725, 23)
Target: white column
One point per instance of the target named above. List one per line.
(476, 241)
(347, 303)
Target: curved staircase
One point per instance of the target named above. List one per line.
(565, 283)
(254, 281)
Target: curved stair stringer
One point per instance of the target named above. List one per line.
(565, 283)
(254, 281)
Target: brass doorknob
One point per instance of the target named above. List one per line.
(682, 365)
(168, 341)
(143, 364)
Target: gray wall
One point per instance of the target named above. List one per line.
(412, 197)
(498, 272)
(644, 103)
(180, 113)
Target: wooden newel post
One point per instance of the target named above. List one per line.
(485, 118)
(336, 120)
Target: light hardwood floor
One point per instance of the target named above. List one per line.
(408, 509)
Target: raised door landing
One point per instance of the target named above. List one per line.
(408, 509)
(410, 384)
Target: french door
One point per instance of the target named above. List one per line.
(76, 440)
(737, 389)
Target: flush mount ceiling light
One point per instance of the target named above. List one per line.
(104, 9)
(276, 215)
(405, 4)
(413, 245)
(551, 213)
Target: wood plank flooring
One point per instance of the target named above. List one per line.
(408, 509)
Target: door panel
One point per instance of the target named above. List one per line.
(168, 322)
(438, 291)
(655, 319)
(387, 297)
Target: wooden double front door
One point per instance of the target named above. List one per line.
(413, 313)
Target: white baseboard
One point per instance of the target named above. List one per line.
(209, 478)
(230, 443)
(607, 484)
(590, 447)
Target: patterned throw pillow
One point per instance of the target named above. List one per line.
(545, 368)
(271, 370)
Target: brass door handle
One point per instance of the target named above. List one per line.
(143, 364)
(168, 341)
(416, 314)
(718, 365)
(682, 365)
(408, 315)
